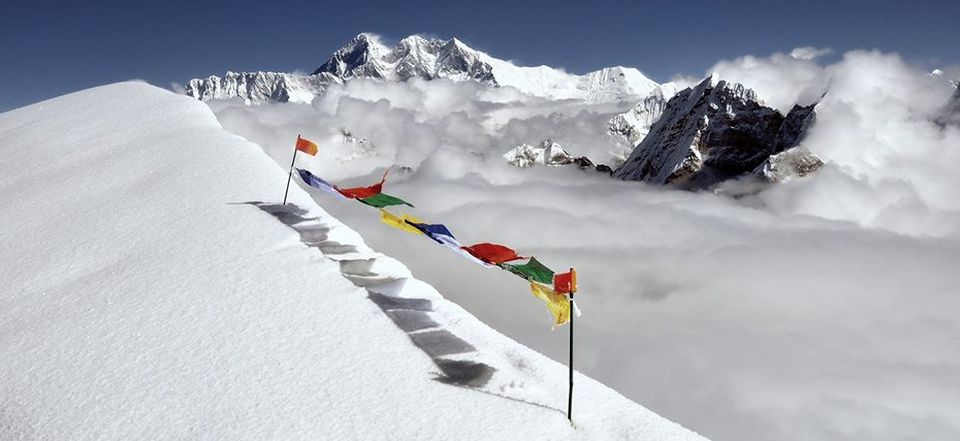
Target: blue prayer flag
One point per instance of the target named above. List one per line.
(317, 182)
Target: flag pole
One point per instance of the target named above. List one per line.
(570, 364)
(290, 174)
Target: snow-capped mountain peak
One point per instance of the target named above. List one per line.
(366, 56)
(412, 57)
(548, 152)
(358, 58)
(714, 131)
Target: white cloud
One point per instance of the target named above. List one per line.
(820, 309)
(780, 80)
(810, 53)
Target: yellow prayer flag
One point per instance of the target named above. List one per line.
(399, 222)
(557, 303)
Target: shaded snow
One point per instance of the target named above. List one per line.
(146, 296)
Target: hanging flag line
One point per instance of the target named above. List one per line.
(545, 284)
(556, 290)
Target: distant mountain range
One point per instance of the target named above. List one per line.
(366, 57)
(693, 138)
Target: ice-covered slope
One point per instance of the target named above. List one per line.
(366, 57)
(146, 295)
(634, 124)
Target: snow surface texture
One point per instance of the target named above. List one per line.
(366, 57)
(146, 295)
(823, 308)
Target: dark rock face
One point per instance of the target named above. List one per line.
(711, 133)
(583, 162)
(352, 60)
(453, 59)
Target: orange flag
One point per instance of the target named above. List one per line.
(306, 146)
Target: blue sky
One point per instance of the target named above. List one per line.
(50, 48)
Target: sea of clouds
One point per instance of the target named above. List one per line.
(824, 308)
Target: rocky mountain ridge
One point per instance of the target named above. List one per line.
(367, 57)
(717, 131)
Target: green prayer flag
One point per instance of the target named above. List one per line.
(383, 200)
(533, 271)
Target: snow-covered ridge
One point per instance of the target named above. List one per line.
(149, 295)
(260, 87)
(367, 57)
(634, 124)
(413, 57)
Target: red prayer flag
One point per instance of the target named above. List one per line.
(364, 192)
(565, 282)
(306, 146)
(492, 253)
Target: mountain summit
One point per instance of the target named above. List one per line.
(367, 57)
(413, 57)
(716, 131)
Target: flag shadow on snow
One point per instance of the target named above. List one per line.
(410, 315)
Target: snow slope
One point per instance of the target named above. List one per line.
(147, 295)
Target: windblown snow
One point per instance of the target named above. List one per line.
(153, 288)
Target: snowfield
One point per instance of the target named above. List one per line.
(152, 289)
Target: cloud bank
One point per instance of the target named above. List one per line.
(819, 309)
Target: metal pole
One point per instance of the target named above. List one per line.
(290, 174)
(570, 390)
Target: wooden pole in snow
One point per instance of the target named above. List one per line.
(290, 174)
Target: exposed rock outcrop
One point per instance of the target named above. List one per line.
(711, 133)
